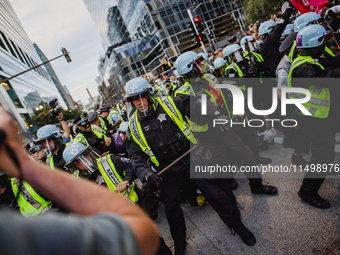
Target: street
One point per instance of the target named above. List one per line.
(282, 224)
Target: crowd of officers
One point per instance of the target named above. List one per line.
(124, 147)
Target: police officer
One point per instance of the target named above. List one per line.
(93, 136)
(288, 46)
(50, 137)
(173, 83)
(83, 159)
(220, 66)
(159, 135)
(270, 33)
(93, 119)
(241, 68)
(322, 124)
(116, 117)
(226, 145)
(249, 51)
(105, 124)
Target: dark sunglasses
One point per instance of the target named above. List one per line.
(83, 123)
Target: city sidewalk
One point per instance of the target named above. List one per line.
(282, 224)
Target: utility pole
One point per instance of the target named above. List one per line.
(65, 53)
(193, 23)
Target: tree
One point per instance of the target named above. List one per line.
(258, 10)
(96, 107)
(42, 116)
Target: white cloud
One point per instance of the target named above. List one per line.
(64, 23)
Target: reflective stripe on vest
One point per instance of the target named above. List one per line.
(258, 56)
(112, 178)
(170, 108)
(50, 162)
(29, 201)
(102, 123)
(329, 51)
(98, 130)
(319, 104)
(185, 89)
(291, 52)
(239, 72)
(81, 138)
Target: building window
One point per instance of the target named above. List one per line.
(2, 44)
(16, 50)
(22, 53)
(29, 60)
(166, 21)
(8, 45)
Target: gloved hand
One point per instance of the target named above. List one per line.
(151, 178)
(290, 4)
(251, 71)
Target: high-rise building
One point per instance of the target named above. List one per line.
(22, 94)
(54, 77)
(143, 37)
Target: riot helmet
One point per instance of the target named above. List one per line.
(80, 157)
(50, 137)
(266, 28)
(139, 94)
(234, 52)
(251, 43)
(311, 41)
(190, 65)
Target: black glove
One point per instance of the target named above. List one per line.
(151, 178)
(251, 71)
(290, 4)
(331, 15)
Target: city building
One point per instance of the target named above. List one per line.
(144, 38)
(54, 77)
(22, 94)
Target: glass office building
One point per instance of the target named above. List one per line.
(146, 37)
(21, 95)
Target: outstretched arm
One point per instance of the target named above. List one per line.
(77, 196)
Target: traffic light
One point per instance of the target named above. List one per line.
(199, 25)
(66, 54)
(192, 31)
(198, 38)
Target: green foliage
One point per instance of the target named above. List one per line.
(96, 107)
(42, 117)
(255, 10)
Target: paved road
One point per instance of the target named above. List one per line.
(282, 224)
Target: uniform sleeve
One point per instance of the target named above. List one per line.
(275, 36)
(117, 161)
(55, 234)
(130, 174)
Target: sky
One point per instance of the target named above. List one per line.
(53, 24)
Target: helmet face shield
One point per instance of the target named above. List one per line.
(85, 162)
(238, 56)
(204, 65)
(140, 102)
